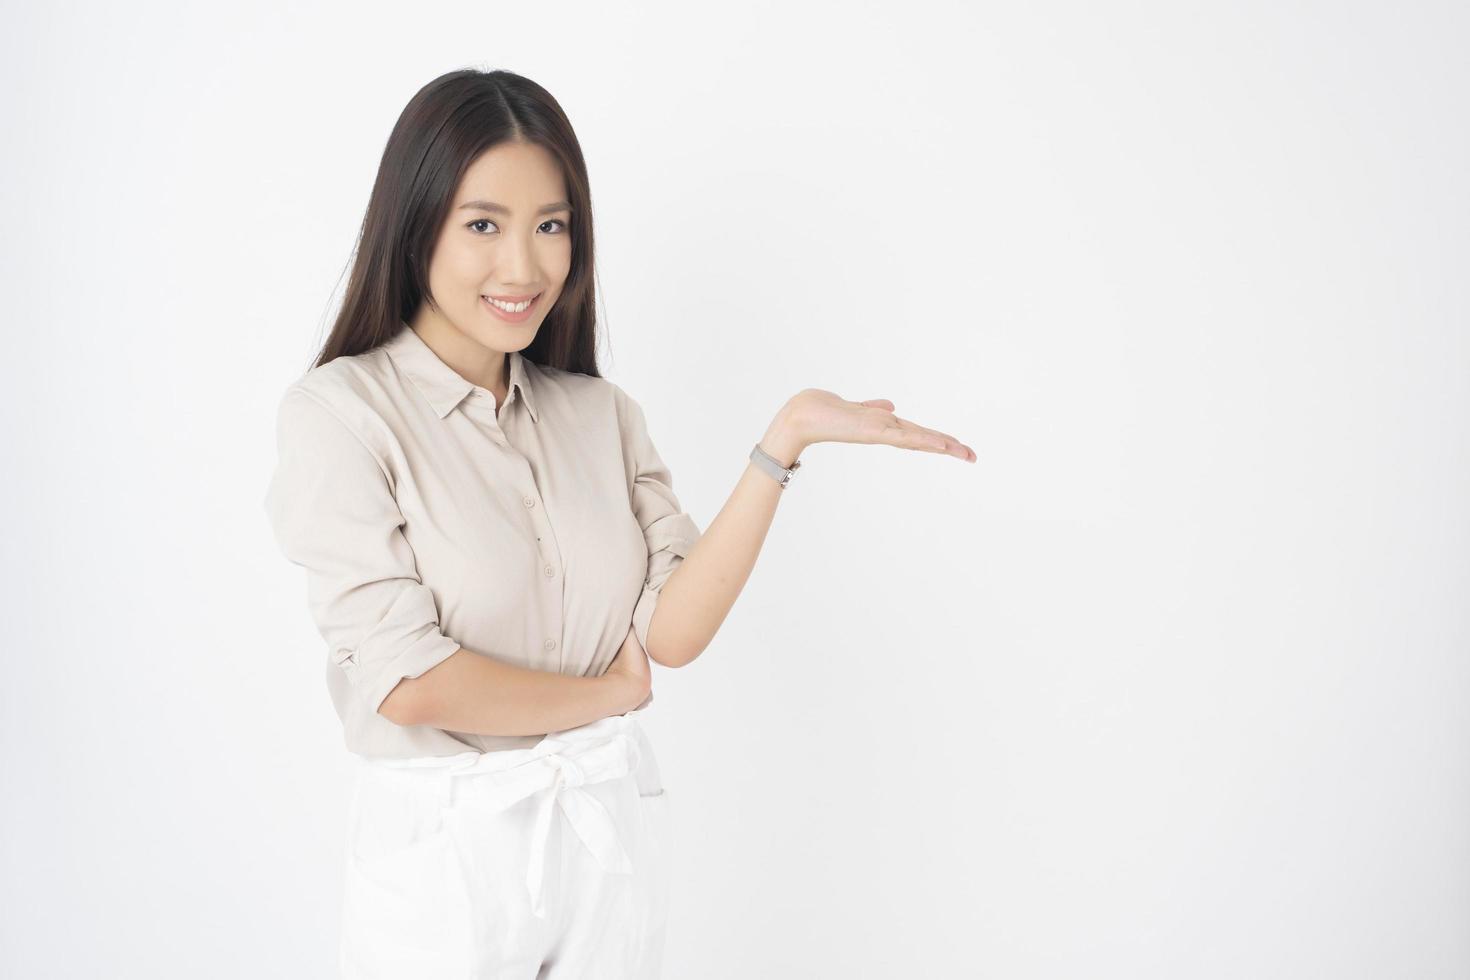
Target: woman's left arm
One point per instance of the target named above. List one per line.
(702, 589)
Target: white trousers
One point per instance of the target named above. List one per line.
(548, 863)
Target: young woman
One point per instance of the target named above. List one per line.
(494, 552)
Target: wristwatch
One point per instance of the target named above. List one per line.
(768, 465)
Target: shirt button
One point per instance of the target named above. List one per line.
(549, 645)
(550, 571)
(529, 501)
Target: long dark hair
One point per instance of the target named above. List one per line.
(442, 130)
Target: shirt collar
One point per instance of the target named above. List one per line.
(440, 384)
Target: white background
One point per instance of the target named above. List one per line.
(1171, 683)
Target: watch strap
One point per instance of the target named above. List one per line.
(768, 465)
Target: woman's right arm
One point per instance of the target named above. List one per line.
(476, 695)
(334, 513)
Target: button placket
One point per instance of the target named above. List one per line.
(480, 406)
(546, 546)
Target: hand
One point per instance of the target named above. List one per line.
(630, 667)
(813, 415)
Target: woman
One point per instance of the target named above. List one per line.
(488, 532)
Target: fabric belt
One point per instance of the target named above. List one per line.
(555, 770)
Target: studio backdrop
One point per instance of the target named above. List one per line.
(1170, 682)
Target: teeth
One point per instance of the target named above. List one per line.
(511, 307)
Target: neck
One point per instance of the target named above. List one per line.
(471, 360)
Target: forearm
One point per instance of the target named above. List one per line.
(696, 598)
(474, 694)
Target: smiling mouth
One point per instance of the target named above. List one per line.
(512, 308)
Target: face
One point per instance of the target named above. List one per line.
(508, 236)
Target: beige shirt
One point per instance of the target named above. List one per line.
(427, 519)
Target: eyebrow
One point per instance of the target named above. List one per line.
(494, 208)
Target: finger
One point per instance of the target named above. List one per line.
(932, 440)
(882, 403)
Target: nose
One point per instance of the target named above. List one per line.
(516, 263)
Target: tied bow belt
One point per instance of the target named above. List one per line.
(554, 771)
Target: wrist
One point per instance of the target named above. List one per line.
(781, 441)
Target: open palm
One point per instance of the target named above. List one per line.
(824, 416)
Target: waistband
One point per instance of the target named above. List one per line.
(554, 770)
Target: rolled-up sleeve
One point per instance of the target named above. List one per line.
(333, 512)
(669, 532)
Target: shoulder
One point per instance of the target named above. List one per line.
(339, 401)
(344, 381)
(583, 393)
(586, 387)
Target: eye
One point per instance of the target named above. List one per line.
(487, 221)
